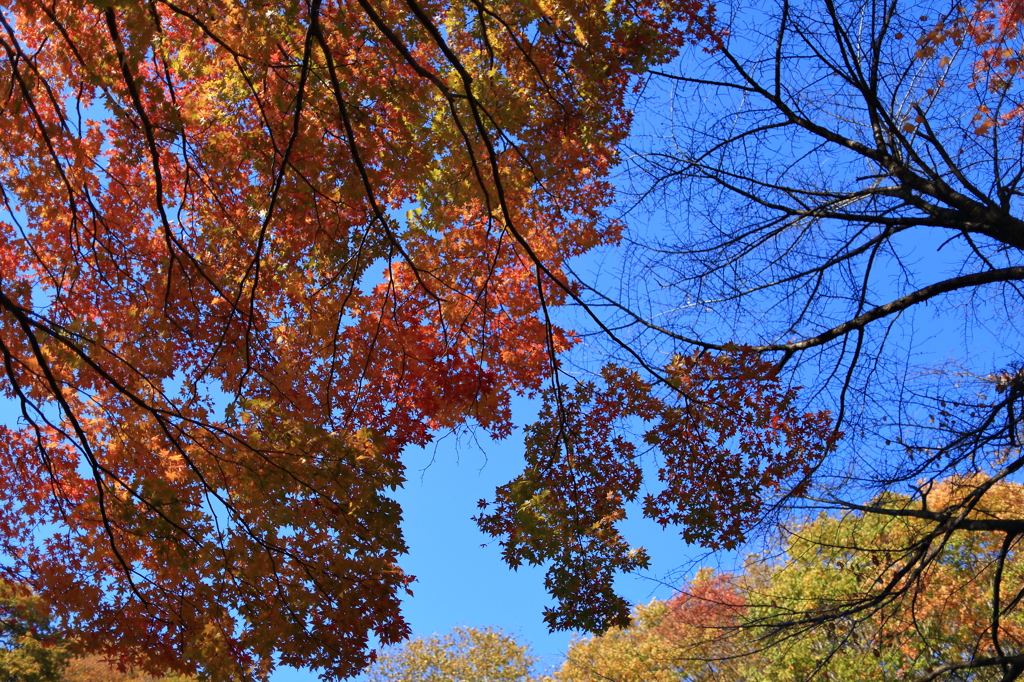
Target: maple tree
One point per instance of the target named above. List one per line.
(463, 654)
(728, 432)
(218, 330)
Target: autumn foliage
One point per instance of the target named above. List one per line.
(730, 438)
(463, 654)
(34, 648)
(819, 610)
(250, 252)
(992, 29)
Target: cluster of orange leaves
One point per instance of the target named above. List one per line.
(994, 27)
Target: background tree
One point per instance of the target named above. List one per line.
(217, 328)
(732, 627)
(31, 649)
(829, 609)
(97, 669)
(841, 180)
(663, 642)
(483, 655)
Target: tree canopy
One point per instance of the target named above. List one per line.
(250, 252)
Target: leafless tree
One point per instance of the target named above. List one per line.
(839, 187)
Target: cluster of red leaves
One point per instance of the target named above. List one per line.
(993, 28)
(729, 438)
(708, 601)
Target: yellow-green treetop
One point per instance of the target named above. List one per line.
(821, 611)
(483, 655)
